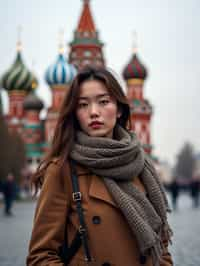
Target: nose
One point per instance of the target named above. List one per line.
(94, 110)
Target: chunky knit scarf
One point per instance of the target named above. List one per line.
(118, 161)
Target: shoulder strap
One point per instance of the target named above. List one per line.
(66, 252)
(77, 196)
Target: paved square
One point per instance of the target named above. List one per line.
(15, 234)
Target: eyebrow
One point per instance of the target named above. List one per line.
(98, 96)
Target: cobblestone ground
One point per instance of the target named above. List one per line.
(15, 234)
(185, 223)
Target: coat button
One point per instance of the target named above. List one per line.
(143, 259)
(96, 220)
(106, 264)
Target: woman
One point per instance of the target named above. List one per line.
(124, 205)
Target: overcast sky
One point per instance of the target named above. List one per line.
(169, 45)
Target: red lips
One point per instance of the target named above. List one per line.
(95, 124)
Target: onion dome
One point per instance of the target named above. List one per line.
(32, 102)
(60, 73)
(135, 69)
(18, 77)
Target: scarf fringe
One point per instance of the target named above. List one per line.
(167, 232)
(156, 253)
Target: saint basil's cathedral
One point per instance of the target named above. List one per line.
(85, 49)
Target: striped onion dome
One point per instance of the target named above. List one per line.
(61, 72)
(18, 77)
(32, 102)
(135, 69)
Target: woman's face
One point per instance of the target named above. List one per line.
(97, 110)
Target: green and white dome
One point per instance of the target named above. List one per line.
(18, 77)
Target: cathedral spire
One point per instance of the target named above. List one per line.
(61, 41)
(86, 48)
(135, 42)
(86, 22)
(19, 41)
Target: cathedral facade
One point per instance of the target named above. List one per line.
(86, 48)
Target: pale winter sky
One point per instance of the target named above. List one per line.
(169, 45)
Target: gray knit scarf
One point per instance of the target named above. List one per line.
(118, 161)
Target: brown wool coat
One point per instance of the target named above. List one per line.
(111, 241)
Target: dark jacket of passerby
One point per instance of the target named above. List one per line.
(174, 189)
(195, 191)
(1, 186)
(9, 191)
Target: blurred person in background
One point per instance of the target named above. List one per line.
(195, 190)
(174, 192)
(9, 192)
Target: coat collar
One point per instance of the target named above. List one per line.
(99, 191)
(97, 188)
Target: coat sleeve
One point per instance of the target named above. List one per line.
(49, 221)
(166, 259)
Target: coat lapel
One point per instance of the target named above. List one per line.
(99, 191)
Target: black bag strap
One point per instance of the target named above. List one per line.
(77, 196)
(67, 253)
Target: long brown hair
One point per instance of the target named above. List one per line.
(67, 123)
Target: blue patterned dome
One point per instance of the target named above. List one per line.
(60, 73)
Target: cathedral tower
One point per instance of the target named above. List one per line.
(59, 76)
(86, 48)
(33, 129)
(135, 74)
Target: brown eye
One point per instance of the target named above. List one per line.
(104, 102)
(82, 105)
